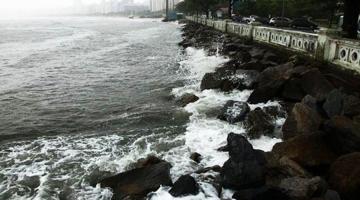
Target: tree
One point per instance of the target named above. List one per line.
(351, 17)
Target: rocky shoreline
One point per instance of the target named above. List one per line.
(319, 158)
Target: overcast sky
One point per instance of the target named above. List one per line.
(23, 7)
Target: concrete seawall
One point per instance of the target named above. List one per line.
(321, 46)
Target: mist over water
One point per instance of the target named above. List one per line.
(84, 98)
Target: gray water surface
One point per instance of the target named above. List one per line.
(80, 98)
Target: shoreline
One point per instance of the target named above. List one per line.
(318, 157)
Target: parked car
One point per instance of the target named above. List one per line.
(303, 23)
(280, 21)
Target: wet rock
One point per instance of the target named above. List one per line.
(244, 79)
(262, 193)
(245, 167)
(139, 182)
(343, 134)
(185, 185)
(275, 112)
(234, 111)
(273, 74)
(310, 151)
(302, 120)
(187, 98)
(264, 93)
(196, 157)
(334, 103)
(279, 169)
(211, 81)
(303, 188)
(331, 195)
(148, 161)
(292, 90)
(215, 168)
(351, 106)
(315, 84)
(344, 176)
(30, 181)
(270, 83)
(254, 65)
(259, 123)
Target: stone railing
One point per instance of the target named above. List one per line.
(345, 53)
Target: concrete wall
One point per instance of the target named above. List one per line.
(321, 45)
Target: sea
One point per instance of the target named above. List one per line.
(83, 98)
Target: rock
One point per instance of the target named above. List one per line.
(244, 79)
(292, 90)
(334, 103)
(245, 167)
(196, 157)
(278, 169)
(344, 134)
(273, 74)
(211, 81)
(139, 182)
(344, 176)
(351, 106)
(259, 123)
(253, 65)
(148, 161)
(215, 168)
(185, 185)
(310, 151)
(331, 195)
(270, 83)
(234, 111)
(275, 112)
(265, 93)
(302, 120)
(303, 188)
(187, 98)
(262, 193)
(315, 84)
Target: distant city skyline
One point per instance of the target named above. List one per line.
(10, 8)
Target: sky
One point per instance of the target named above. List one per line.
(30, 7)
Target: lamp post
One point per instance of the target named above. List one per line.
(283, 9)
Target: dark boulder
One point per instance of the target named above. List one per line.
(279, 169)
(245, 167)
(196, 157)
(334, 103)
(211, 81)
(344, 134)
(185, 185)
(187, 98)
(310, 151)
(270, 83)
(315, 84)
(265, 93)
(215, 168)
(351, 105)
(303, 188)
(302, 120)
(331, 195)
(244, 79)
(234, 111)
(148, 161)
(344, 176)
(262, 193)
(139, 182)
(292, 90)
(275, 111)
(259, 123)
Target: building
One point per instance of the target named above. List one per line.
(160, 5)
